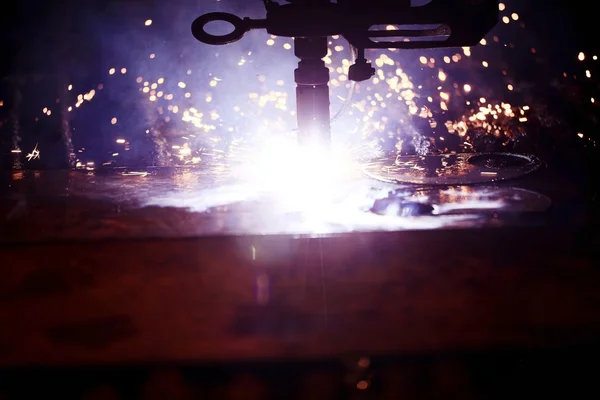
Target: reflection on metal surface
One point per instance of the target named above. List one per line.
(460, 200)
(395, 206)
(262, 289)
(168, 202)
(452, 169)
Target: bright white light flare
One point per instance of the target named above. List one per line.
(300, 178)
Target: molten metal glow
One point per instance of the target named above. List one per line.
(301, 178)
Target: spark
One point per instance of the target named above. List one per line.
(35, 153)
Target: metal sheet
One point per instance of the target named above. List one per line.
(186, 202)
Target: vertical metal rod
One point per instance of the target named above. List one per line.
(312, 91)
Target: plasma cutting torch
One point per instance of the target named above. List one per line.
(364, 24)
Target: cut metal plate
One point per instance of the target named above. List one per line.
(452, 169)
(61, 205)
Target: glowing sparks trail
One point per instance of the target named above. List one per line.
(35, 154)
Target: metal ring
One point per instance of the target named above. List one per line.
(240, 28)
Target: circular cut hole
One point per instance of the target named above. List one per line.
(456, 169)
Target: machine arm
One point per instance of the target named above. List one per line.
(365, 25)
